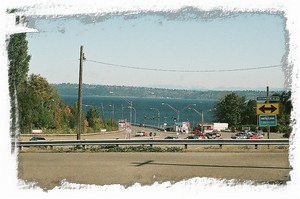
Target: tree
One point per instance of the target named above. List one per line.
(42, 105)
(284, 117)
(93, 119)
(229, 109)
(17, 73)
(249, 115)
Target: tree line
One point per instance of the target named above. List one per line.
(237, 112)
(36, 104)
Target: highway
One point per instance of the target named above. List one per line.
(48, 169)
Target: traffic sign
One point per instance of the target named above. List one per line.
(269, 98)
(267, 120)
(267, 108)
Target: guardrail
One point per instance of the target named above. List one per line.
(183, 142)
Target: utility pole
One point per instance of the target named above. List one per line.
(267, 103)
(79, 104)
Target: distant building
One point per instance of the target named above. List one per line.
(210, 127)
(220, 126)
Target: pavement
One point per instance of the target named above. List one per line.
(49, 169)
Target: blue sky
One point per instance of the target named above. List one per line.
(151, 41)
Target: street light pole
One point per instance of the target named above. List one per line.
(158, 116)
(128, 133)
(202, 119)
(177, 111)
(112, 115)
(174, 109)
(131, 107)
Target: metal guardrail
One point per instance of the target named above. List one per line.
(150, 142)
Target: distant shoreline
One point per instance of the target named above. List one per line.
(145, 92)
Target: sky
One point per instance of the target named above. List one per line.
(142, 50)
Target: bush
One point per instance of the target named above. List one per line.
(114, 148)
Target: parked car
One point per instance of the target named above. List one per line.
(196, 137)
(197, 132)
(171, 137)
(227, 130)
(253, 135)
(152, 134)
(192, 137)
(141, 134)
(35, 138)
(260, 132)
(240, 135)
(217, 134)
(210, 135)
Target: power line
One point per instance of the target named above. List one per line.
(184, 71)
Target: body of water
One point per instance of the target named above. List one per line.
(150, 111)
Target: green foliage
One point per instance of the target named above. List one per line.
(284, 117)
(249, 113)
(234, 110)
(17, 74)
(39, 104)
(93, 119)
(114, 148)
(230, 109)
(111, 125)
(35, 104)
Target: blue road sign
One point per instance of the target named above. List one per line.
(267, 120)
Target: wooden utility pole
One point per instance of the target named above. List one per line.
(79, 104)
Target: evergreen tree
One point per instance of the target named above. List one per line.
(17, 74)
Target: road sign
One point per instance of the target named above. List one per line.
(269, 98)
(267, 108)
(267, 120)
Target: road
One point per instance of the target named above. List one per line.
(48, 169)
(122, 135)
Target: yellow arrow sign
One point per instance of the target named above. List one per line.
(267, 108)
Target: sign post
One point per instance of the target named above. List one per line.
(267, 111)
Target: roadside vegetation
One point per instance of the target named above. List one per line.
(107, 148)
(239, 112)
(35, 104)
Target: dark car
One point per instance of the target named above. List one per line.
(152, 134)
(171, 138)
(210, 135)
(37, 139)
(192, 137)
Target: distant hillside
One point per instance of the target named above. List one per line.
(128, 91)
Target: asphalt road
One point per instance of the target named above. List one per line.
(49, 169)
(122, 135)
